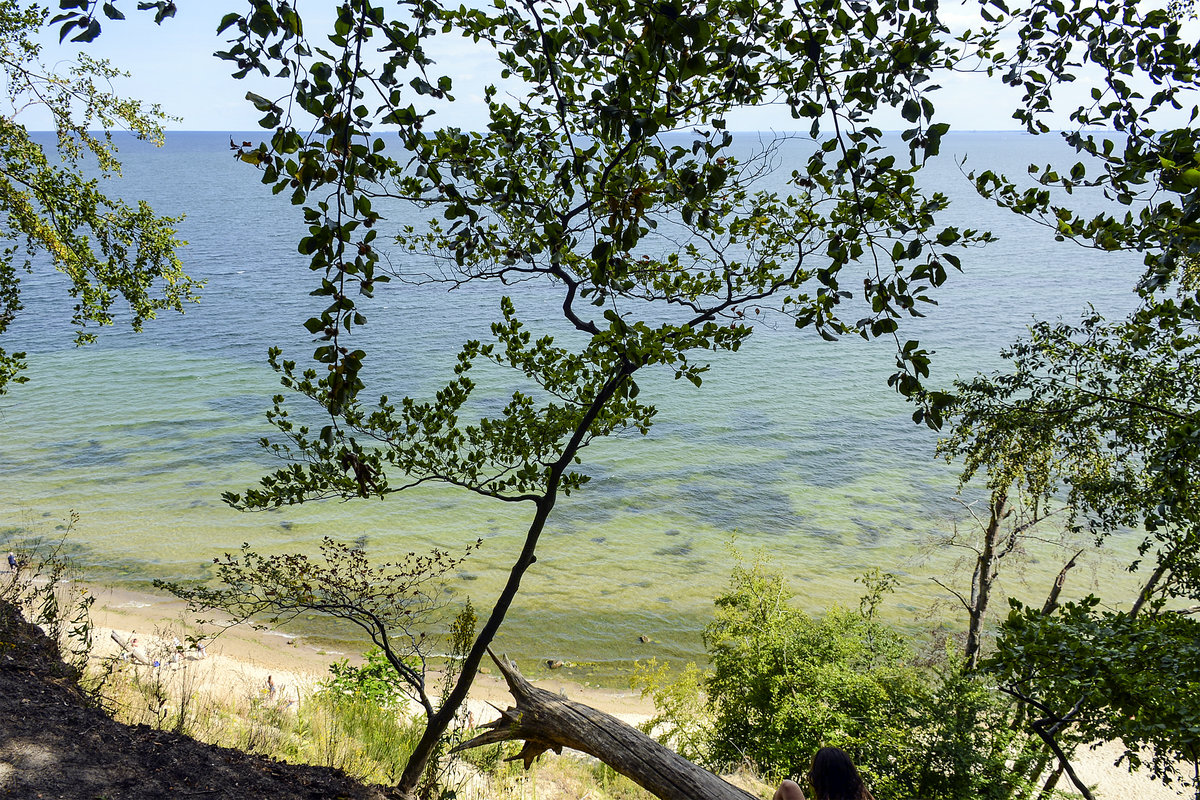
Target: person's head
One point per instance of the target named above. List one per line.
(833, 776)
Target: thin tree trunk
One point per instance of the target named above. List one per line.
(1056, 589)
(444, 716)
(440, 721)
(548, 721)
(1051, 782)
(984, 578)
(1148, 590)
(1064, 762)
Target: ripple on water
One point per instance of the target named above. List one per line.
(238, 406)
(868, 533)
(792, 439)
(753, 509)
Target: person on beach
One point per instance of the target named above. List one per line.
(832, 777)
(137, 653)
(199, 643)
(12, 561)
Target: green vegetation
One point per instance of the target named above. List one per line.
(45, 591)
(374, 681)
(52, 210)
(389, 602)
(1100, 418)
(658, 249)
(1086, 674)
(351, 732)
(784, 683)
(658, 252)
(368, 741)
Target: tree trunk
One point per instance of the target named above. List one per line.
(1063, 761)
(1148, 590)
(1056, 589)
(1051, 782)
(547, 721)
(440, 721)
(983, 579)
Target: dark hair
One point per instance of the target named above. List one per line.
(833, 776)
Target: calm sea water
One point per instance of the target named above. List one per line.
(793, 447)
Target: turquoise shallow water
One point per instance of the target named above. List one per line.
(793, 447)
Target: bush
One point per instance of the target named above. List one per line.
(376, 681)
(784, 683)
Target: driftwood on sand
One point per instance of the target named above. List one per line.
(547, 721)
(130, 648)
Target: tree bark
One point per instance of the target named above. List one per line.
(1052, 599)
(983, 579)
(1051, 782)
(547, 721)
(1148, 590)
(1063, 761)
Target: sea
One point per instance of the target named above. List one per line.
(794, 450)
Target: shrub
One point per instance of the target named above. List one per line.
(784, 683)
(375, 681)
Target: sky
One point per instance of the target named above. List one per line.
(173, 65)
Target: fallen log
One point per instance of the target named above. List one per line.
(547, 721)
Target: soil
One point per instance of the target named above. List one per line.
(54, 745)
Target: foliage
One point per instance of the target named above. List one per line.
(54, 212)
(375, 681)
(1139, 60)
(1105, 412)
(1089, 675)
(657, 247)
(604, 172)
(387, 601)
(356, 735)
(45, 590)
(371, 742)
(681, 718)
(1102, 415)
(784, 684)
(1100, 411)
(615, 785)
(84, 16)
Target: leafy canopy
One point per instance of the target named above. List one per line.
(605, 177)
(390, 602)
(606, 173)
(1090, 674)
(52, 209)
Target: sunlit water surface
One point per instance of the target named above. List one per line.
(793, 447)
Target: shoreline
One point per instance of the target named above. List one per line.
(250, 655)
(240, 660)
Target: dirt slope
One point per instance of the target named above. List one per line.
(53, 746)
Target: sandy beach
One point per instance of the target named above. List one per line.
(238, 662)
(240, 659)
